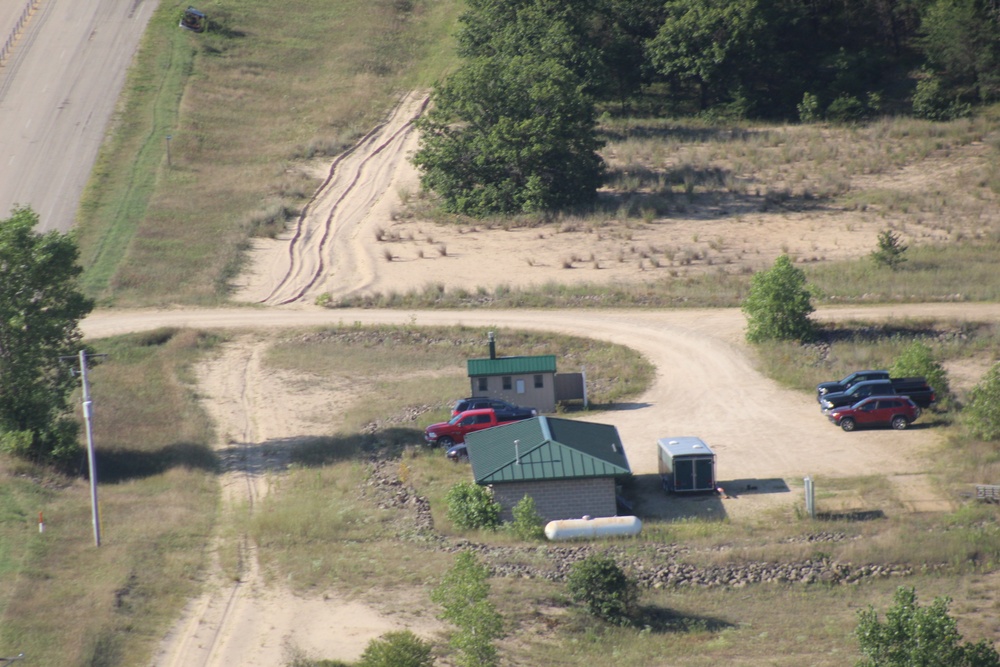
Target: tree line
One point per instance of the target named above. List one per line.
(513, 129)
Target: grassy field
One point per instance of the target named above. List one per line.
(64, 601)
(247, 106)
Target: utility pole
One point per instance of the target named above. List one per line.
(88, 414)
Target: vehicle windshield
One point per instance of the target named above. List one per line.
(454, 420)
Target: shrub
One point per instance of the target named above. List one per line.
(471, 506)
(464, 596)
(809, 111)
(915, 635)
(778, 304)
(890, 250)
(527, 523)
(397, 649)
(917, 359)
(982, 412)
(605, 590)
(932, 101)
(846, 109)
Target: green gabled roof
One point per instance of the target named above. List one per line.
(549, 448)
(545, 363)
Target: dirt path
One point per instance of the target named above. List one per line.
(331, 247)
(243, 618)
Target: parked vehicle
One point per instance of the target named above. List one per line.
(453, 431)
(916, 388)
(824, 388)
(498, 405)
(458, 453)
(895, 411)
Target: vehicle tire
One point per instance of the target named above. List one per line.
(847, 424)
(446, 442)
(899, 422)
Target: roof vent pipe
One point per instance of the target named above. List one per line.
(517, 451)
(493, 346)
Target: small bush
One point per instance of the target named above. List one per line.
(527, 523)
(918, 360)
(603, 587)
(914, 635)
(778, 304)
(464, 598)
(982, 412)
(809, 111)
(890, 250)
(471, 506)
(397, 649)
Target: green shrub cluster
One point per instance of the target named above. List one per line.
(471, 507)
(604, 589)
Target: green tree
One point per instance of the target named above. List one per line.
(708, 43)
(962, 45)
(982, 410)
(918, 360)
(527, 523)
(464, 597)
(605, 590)
(510, 135)
(778, 304)
(471, 506)
(915, 636)
(890, 250)
(40, 311)
(397, 649)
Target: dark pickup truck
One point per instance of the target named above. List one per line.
(916, 388)
(824, 388)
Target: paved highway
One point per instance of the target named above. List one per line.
(58, 90)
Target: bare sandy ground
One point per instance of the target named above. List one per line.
(767, 438)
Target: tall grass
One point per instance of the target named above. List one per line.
(64, 601)
(245, 104)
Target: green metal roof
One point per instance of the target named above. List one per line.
(545, 363)
(548, 448)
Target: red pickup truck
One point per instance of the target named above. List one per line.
(453, 431)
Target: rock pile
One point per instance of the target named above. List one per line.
(652, 565)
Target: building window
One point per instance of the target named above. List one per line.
(538, 382)
(482, 383)
(520, 386)
(507, 383)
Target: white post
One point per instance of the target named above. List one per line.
(88, 412)
(810, 497)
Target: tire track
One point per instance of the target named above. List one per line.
(343, 202)
(200, 639)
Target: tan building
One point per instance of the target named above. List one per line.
(526, 381)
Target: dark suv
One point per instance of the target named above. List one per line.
(894, 411)
(498, 405)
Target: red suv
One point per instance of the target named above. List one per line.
(894, 411)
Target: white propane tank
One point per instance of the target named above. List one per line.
(570, 529)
